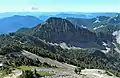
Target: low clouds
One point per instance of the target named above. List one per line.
(34, 8)
(31, 9)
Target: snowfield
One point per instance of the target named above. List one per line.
(117, 34)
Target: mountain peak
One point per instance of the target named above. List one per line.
(57, 25)
(58, 30)
(57, 21)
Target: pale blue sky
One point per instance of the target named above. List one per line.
(60, 5)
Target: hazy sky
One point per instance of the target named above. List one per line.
(60, 5)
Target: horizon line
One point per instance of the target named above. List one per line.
(55, 12)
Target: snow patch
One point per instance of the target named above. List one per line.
(106, 47)
(105, 44)
(116, 15)
(83, 26)
(75, 47)
(64, 46)
(115, 19)
(116, 49)
(107, 50)
(117, 34)
(1, 64)
(95, 28)
(53, 44)
(97, 20)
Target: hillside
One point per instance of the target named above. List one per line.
(65, 70)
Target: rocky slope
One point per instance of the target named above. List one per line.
(57, 30)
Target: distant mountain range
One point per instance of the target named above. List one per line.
(11, 21)
(75, 15)
(37, 14)
(97, 23)
(11, 24)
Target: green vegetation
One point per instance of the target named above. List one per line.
(118, 46)
(27, 68)
(29, 74)
(42, 74)
(34, 74)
